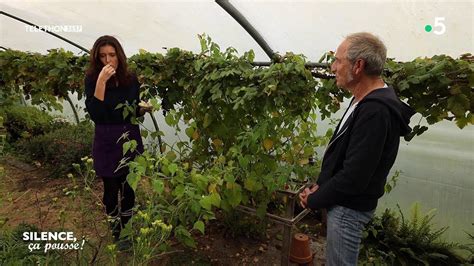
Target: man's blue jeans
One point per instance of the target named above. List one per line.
(344, 233)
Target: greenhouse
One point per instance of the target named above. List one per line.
(234, 132)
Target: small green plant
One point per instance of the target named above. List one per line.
(396, 240)
(149, 235)
(86, 171)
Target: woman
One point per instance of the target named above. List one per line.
(109, 83)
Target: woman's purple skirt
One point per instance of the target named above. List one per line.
(107, 150)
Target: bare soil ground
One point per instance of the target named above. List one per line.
(29, 196)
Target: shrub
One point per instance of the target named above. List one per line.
(470, 247)
(59, 122)
(25, 121)
(61, 147)
(390, 239)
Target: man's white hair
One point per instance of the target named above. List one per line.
(370, 48)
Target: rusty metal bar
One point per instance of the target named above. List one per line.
(275, 218)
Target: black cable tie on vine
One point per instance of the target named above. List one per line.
(276, 58)
(322, 76)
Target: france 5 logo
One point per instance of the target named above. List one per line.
(438, 27)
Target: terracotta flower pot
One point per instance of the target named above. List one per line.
(300, 251)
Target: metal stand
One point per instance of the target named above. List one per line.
(288, 221)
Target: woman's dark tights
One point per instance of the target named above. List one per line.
(117, 189)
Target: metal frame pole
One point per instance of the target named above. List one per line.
(231, 10)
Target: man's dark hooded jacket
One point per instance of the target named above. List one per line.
(360, 154)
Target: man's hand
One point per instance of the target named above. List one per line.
(304, 195)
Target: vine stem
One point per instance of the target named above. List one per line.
(76, 116)
(157, 128)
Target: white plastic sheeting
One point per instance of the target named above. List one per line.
(437, 167)
(149, 25)
(307, 27)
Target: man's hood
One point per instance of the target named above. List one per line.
(400, 109)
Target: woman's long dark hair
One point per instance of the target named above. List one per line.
(95, 65)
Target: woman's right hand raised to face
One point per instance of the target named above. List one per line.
(104, 75)
(106, 72)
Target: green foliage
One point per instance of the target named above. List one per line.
(438, 88)
(328, 96)
(85, 170)
(3, 141)
(180, 195)
(9, 95)
(14, 251)
(3, 136)
(250, 130)
(392, 182)
(60, 148)
(25, 121)
(390, 239)
(235, 224)
(148, 233)
(45, 79)
(470, 247)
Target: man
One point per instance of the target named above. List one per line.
(363, 149)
